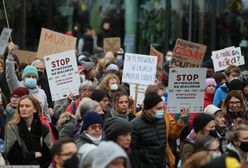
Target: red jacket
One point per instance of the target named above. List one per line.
(208, 98)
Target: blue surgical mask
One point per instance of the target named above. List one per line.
(30, 83)
(159, 114)
(114, 86)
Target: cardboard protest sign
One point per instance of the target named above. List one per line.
(52, 42)
(25, 56)
(62, 73)
(112, 44)
(186, 89)
(139, 69)
(141, 93)
(187, 54)
(159, 55)
(225, 57)
(4, 38)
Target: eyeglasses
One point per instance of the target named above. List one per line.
(94, 127)
(234, 102)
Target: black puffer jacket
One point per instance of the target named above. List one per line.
(149, 139)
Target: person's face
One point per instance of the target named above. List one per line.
(245, 90)
(106, 26)
(153, 110)
(31, 76)
(14, 100)
(68, 151)
(86, 92)
(208, 127)
(26, 109)
(91, 74)
(122, 104)
(117, 163)
(104, 103)
(112, 81)
(243, 137)
(233, 75)
(214, 146)
(94, 130)
(124, 140)
(234, 104)
(40, 67)
(210, 89)
(220, 120)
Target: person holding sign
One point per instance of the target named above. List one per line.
(29, 80)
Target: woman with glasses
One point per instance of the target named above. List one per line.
(234, 109)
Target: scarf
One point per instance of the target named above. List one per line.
(94, 139)
(115, 114)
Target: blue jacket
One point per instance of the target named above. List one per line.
(220, 94)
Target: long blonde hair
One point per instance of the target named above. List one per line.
(16, 118)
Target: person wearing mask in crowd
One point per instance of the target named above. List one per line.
(112, 156)
(203, 124)
(231, 72)
(92, 129)
(3, 81)
(244, 79)
(210, 86)
(101, 97)
(29, 80)
(90, 72)
(120, 108)
(167, 61)
(219, 78)
(119, 131)
(234, 109)
(64, 153)
(28, 141)
(238, 147)
(152, 130)
(221, 129)
(15, 96)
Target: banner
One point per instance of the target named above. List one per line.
(159, 55)
(62, 73)
(225, 57)
(112, 44)
(4, 38)
(139, 69)
(140, 95)
(186, 89)
(187, 54)
(25, 56)
(52, 42)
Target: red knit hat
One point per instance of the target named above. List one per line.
(20, 91)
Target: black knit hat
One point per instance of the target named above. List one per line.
(235, 84)
(114, 127)
(201, 121)
(98, 95)
(91, 118)
(151, 100)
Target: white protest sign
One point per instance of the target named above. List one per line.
(186, 89)
(225, 57)
(140, 95)
(139, 69)
(62, 72)
(4, 38)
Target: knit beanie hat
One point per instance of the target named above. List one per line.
(210, 81)
(87, 65)
(151, 100)
(112, 67)
(114, 127)
(106, 152)
(91, 118)
(30, 70)
(20, 91)
(235, 84)
(98, 95)
(244, 77)
(201, 121)
(86, 154)
(211, 109)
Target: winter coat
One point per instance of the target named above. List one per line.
(220, 95)
(233, 152)
(9, 112)
(13, 83)
(208, 98)
(60, 107)
(67, 129)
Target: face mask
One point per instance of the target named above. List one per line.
(168, 58)
(73, 162)
(114, 86)
(244, 146)
(159, 114)
(30, 83)
(213, 133)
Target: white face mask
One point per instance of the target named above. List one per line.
(114, 86)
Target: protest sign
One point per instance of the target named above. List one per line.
(227, 56)
(25, 56)
(62, 73)
(52, 42)
(140, 93)
(129, 40)
(111, 44)
(4, 38)
(154, 52)
(139, 69)
(187, 54)
(186, 89)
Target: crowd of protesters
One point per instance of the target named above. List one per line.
(102, 128)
